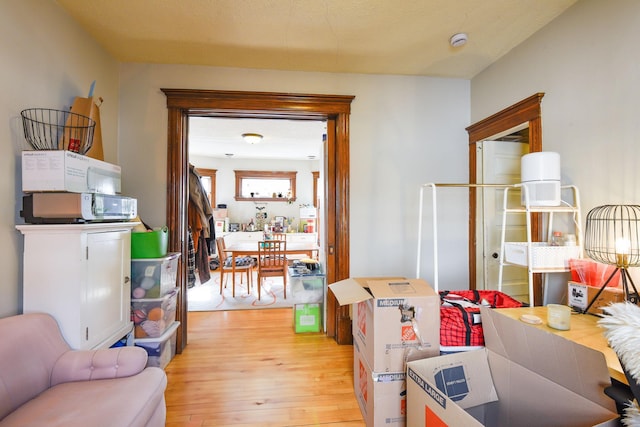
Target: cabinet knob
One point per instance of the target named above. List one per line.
(127, 279)
(495, 255)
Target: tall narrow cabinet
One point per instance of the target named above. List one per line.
(80, 274)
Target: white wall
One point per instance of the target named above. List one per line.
(47, 60)
(404, 131)
(586, 63)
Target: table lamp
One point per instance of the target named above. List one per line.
(612, 236)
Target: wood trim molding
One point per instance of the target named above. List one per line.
(526, 111)
(244, 174)
(335, 109)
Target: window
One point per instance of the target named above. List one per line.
(265, 186)
(208, 179)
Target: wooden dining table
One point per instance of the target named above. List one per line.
(312, 250)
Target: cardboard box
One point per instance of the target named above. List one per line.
(524, 376)
(307, 318)
(382, 397)
(58, 170)
(579, 295)
(393, 320)
(219, 213)
(308, 212)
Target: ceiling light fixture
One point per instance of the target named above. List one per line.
(457, 40)
(252, 138)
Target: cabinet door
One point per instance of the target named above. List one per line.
(108, 285)
(301, 237)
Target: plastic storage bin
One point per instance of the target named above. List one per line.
(149, 244)
(307, 318)
(162, 349)
(307, 289)
(154, 277)
(542, 255)
(153, 316)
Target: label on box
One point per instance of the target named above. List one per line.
(579, 295)
(307, 320)
(464, 377)
(453, 382)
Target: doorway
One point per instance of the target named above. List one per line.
(499, 163)
(335, 109)
(287, 162)
(526, 113)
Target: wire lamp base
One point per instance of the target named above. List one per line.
(632, 297)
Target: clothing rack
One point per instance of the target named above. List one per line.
(433, 186)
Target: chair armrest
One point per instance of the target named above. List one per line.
(86, 365)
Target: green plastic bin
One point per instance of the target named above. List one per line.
(149, 244)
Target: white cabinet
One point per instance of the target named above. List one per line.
(80, 274)
(540, 257)
(243, 237)
(302, 237)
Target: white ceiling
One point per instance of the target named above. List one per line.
(404, 37)
(282, 139)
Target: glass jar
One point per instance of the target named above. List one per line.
(556, 238)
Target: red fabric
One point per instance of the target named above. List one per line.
(461, 326)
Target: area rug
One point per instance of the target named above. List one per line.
(206, 296)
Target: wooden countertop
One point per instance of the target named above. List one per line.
(584, 330)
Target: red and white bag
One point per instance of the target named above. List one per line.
(460, 322)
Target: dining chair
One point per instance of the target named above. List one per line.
(243, 265)
(278, 236)
(272, 261)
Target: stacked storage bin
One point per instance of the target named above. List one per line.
(307, 289)
(153, 306)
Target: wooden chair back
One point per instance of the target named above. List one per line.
(220, 245)
(272, 261)
(223, 257)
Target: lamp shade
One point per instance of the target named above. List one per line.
(612, 235)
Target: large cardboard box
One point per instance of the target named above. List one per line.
(524, 376)
(393, 320)
(579, 295)
(59, 170)
(382, 397)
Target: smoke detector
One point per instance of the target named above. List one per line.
(457, 40)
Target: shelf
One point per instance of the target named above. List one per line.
(543, 209)
(539, 257)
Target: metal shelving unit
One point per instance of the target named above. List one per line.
(539, 257)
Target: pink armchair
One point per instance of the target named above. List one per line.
(43, 382)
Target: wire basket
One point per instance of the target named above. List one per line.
(48, 129)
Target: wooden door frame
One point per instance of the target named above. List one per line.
(526, 111)
(335, 109)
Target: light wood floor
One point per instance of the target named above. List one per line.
(248, 368)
